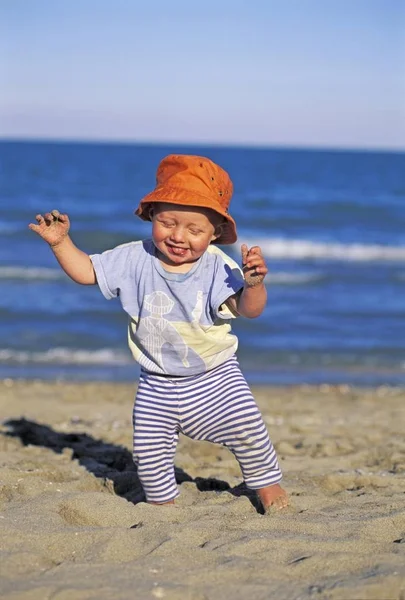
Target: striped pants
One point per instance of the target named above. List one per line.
(216, 406)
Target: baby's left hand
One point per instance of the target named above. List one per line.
(253, 265)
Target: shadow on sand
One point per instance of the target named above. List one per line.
(110, 462)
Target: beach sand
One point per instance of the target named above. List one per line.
(73, 523)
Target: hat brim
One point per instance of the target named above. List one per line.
(185, 198)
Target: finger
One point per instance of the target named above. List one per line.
(256, 261)
(255, 251)
(260, 270)
(34, 227)
(48, 217)
(39, 218)
(63, 218)
(257, 271)
(245, 252)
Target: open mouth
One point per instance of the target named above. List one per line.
(176, 251)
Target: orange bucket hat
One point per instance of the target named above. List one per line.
(193, 181)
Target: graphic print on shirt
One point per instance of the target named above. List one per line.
(160, 330)
(198, 310)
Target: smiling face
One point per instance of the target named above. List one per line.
(182, 234)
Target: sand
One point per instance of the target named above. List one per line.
(73, 523)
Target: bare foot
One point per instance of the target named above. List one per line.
(273, 497)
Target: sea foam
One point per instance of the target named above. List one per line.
(66, 356)
(31, 273)
(296, 249)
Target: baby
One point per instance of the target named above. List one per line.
(181, 292)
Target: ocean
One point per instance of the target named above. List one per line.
(331, 225)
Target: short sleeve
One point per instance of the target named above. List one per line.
(112, 267)
(228, 280)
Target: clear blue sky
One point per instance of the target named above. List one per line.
(326, 73)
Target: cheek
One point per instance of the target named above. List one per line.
(157, 232)
(201, 245)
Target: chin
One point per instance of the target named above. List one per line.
(176, 260)
(172, 259)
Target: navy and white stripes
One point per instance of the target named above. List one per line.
(216, 406)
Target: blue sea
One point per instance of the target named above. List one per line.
(331, 225)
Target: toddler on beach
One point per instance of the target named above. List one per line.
(180, 292)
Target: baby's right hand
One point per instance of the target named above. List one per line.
(52, 227)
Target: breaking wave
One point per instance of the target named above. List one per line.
(66, 356)
(306, 249)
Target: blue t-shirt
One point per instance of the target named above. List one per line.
(178, 322)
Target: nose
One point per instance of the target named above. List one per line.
(177, 235)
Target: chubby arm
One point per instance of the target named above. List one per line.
(251, 300)
(53, 228)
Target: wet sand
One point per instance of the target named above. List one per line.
(73, 523)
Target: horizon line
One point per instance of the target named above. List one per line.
(204, 144)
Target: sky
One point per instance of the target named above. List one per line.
(303, 73)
